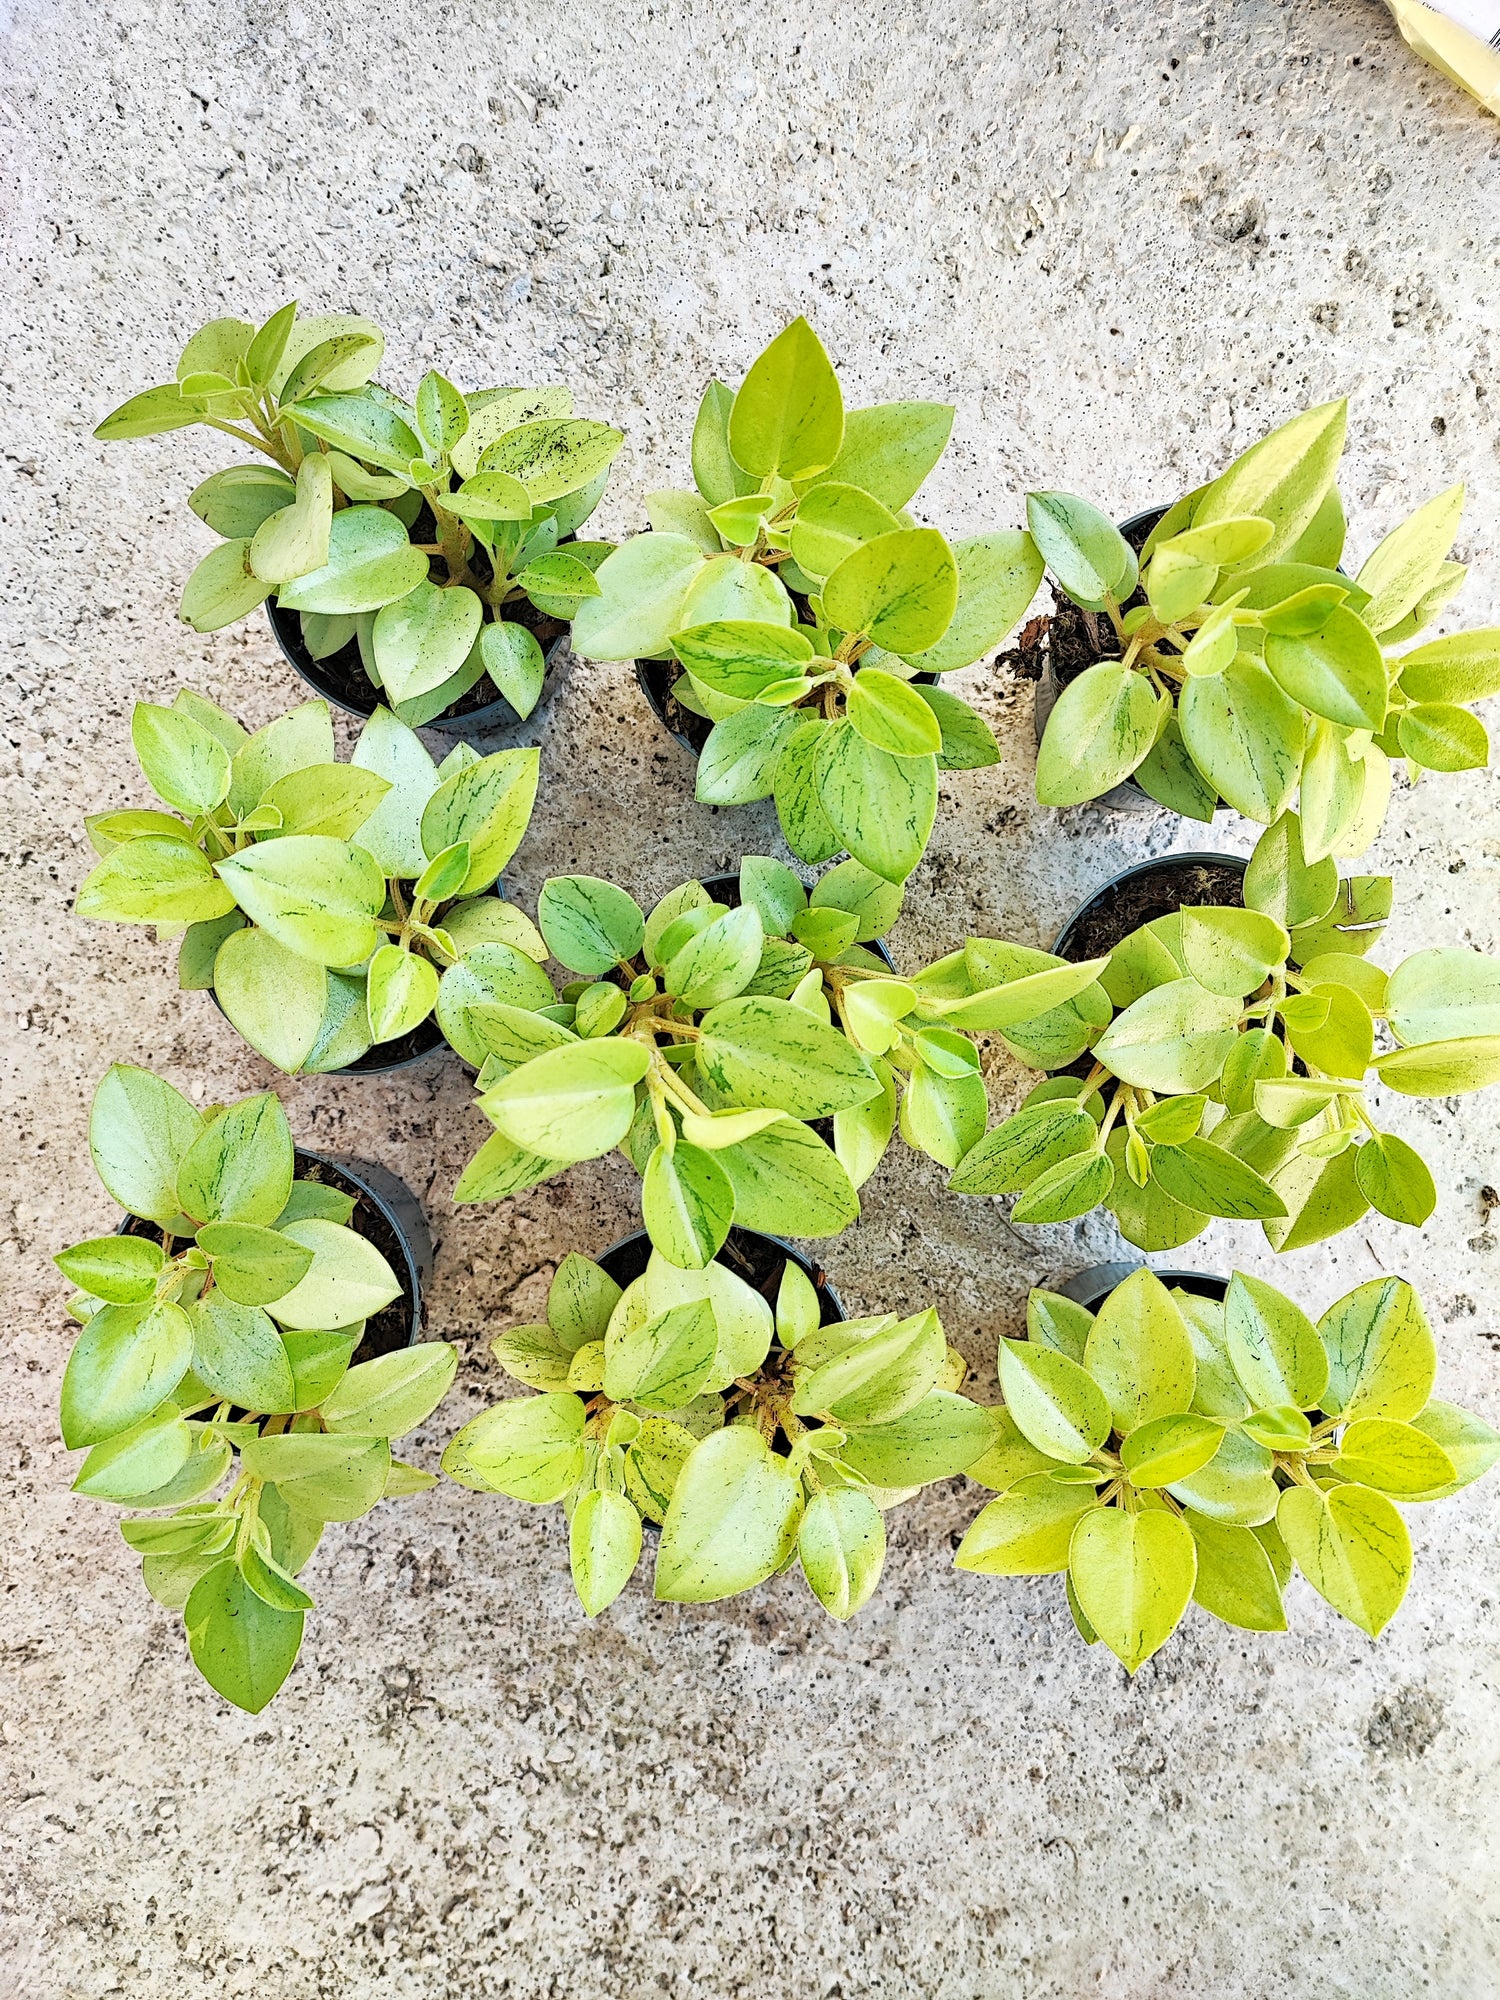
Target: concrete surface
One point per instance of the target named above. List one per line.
(1125, 240)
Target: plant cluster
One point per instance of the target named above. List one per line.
(1175, 1449)
(1228, 1056)
(323, 904)
(755, 1435)
(1243, 664)
(707, 1043)
(806, 608)
(420, 529)
(219, 1325)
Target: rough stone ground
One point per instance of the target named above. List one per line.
(1124, 240)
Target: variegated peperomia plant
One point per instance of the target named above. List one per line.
(1253, 669)
(1176, 1448)
(706, 1042)
(220, 1325)
(801, 602)
(754, 1434)
(418, 528)
(1221, 1064)
(322, 903)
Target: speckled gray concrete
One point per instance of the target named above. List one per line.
(1123, 246)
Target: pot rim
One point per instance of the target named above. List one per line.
(1091, 1286)
(1194, 858)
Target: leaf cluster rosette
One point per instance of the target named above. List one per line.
(322, 903)
(801, 600)
(1178, 1449)
(706, 1042)
(223, 1333)
(491, 483)
(1254, 670)
(1229, 1056)
(755, 1435)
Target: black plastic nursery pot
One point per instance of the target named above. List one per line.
(1149, 890)
(476, 718)
(1074, 640)
(1092, 1287)
(387, 1214)
(756, 1258)
(726, 889)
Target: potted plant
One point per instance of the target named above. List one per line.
(733, 1405)
(1214, 649)
(419, 554)
(319, 902)
(1229, 1051)
(1175, 1447)
(722, 1049)
(789, 616)
(258, 1304)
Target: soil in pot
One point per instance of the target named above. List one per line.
(341, 677)
(1068, 638)
(1141, 895)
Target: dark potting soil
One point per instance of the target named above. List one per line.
(1124, 906)
(394, 1326)
(1073, 640)
(757, 1259)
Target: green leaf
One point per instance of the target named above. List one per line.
(1393, 1457)
(1382, 1356)
(1104, 723)
(687, 1201)
(154, 880)
(1204, 1176)
(293, 742)
(966, 741)
(183, 762)
(150, 414)
(1175, 1038)
(138, 1461)
(121, 1270)
(1337, 671)
(580, 1301)
(604, 1545)
(1236, 1486)
(719, 961)
(1134, 1576)
(901, 589)
(253, 1265)
(664, 1362)
(715, 473)
(841, 1544)
(1282, 884)
(1246, 736)
(1232, 952)
(571, 1103)
(139, 1130)
(476, 999)
(1440, 737)
(998, 575)
(1273, 1345)
(1059, 1323)
(743, 1316)
(1025, 1146)
(739, 761)
(1028, 1530)
(732, 1521)
(239, 1169)
(1442, 1069)
(1322, 1198)
(878, 1378)
(742, 656)
(239, 1355)
(1444, 995)
(488, 804)
(392, 1394)
(941, 1435)
(786, 1180)
(370, 564)
(765, 1054)
(889, 450)
(349, 1279)
(1235, 1581)
(833, 519)
(799, 1308)
(124, 1363)
(787, 419)
(530, 1448)
(1140, 1353)
(1395, 1179)
(331, 799)
(1407, 563)
(274, 997)
(1069, 1189)
(1170, 1448)
(423, 638)
(316, 896)
(553, 456)
(1168, 774)
(1469, 1442)
(402, 991)
(1463, 667)
(1353, 1548)
(222, 588)
(317, 1361)
(1284, 479)
(1056, 1405)
(590, 926)
(243, 1647)
(294, 540)
(324, 1477)
(881, 807)
(642, 588)
(798, 808)
(887, 713)
(1083, 548)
